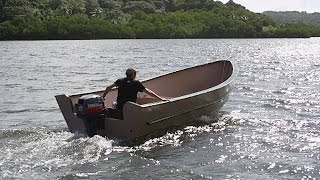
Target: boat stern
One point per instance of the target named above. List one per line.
(75, 124)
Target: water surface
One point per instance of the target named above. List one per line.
(269, 128)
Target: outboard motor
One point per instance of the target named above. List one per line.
(91, 109)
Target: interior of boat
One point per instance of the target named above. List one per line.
(187, 81)
(178, 83)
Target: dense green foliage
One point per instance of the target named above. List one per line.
(101, 19)
(294, 17)
(308, 23)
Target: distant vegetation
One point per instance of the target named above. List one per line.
(101, 19)
(294, 17)
(301, 20)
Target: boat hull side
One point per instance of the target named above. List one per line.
(140, 121)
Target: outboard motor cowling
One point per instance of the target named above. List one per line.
(91, 110)
(90, 105)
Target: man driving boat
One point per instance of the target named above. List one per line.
(128, 89)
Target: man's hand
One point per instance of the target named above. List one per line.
(164, 99)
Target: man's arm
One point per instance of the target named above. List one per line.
(151, 93)
(108, 89)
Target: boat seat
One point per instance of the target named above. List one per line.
(146, 100)
(114, 113)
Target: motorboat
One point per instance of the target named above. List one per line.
(191, 93)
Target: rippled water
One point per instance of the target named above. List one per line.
(269, 128)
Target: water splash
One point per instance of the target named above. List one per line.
(176, 138)
(46, 152)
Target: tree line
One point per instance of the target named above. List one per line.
(104, 19)
(295, 17)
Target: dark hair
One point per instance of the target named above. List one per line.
(131, 73)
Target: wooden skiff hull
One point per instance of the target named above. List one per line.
(192, 93)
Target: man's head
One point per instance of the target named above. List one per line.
(131, 73)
